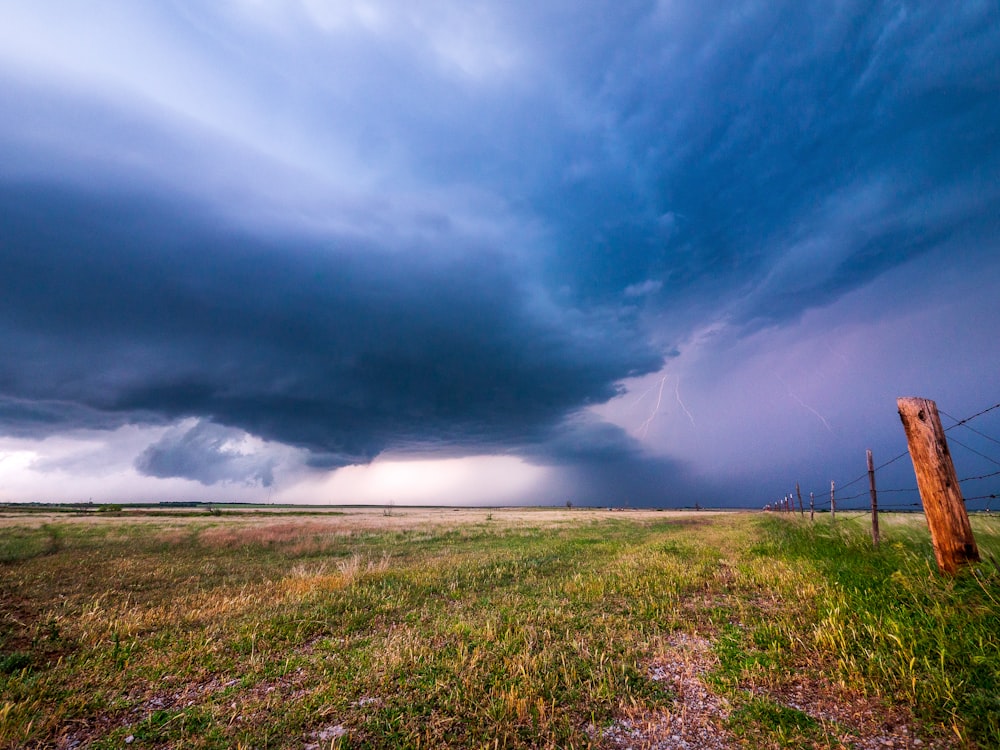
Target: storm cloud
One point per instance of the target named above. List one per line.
(341, 348)
(384, 229)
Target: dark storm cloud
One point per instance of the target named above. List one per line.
(772, 155)
(596, 463)
(128, 308)
(450, 229)
(38, 416)
(790, 149)
(639, 481)
(583, 438)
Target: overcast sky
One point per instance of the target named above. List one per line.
(614, 253)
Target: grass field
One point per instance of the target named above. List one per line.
(505, 628)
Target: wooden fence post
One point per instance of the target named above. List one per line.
(812, 506)
(940, 494)
(874, 494)
(798, 492)
(833, 503)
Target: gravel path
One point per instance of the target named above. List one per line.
(696, 718)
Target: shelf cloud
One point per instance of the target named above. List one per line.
(377, 229)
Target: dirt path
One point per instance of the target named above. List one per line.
(699, 719)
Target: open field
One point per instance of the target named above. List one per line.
(503, 628)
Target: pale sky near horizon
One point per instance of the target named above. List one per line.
(616, 253)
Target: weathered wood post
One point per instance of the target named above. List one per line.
(798, 492)
(940, 494)
(833, 503)
(874, 494)
(812, 506)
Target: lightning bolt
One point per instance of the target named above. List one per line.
(656, 409)
(677, 392)
(804, 405)
(644, 394)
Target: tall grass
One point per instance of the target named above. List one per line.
(899, 628)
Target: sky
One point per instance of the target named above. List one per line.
(624, 253)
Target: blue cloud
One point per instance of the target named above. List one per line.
(206, 453)
(343, 349)
(456, 228)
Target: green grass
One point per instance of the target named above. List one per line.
(217, 632)
(762, 719)
(903, 631)
(22, 544)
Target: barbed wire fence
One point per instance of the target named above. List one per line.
(978, 494)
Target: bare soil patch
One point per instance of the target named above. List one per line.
(696, 719)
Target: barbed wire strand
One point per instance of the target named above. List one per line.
(969, 419)
(981, 476)
(892, 460)
(971, 429)
(973, 450)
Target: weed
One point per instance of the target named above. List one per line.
(23, 544)
(15, 662)
(766, 722)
